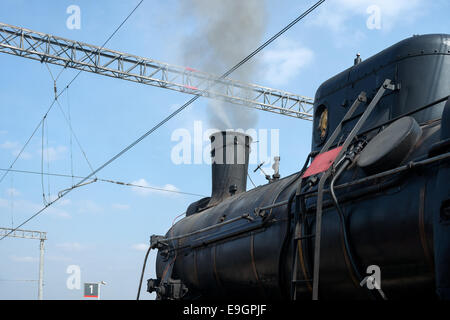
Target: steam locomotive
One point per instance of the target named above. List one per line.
(373, 195)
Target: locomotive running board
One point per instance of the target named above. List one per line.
(387, 85)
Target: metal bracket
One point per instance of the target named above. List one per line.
(81, 56)
(387, 85)
(157, 242)
(392, 86)
(172, 289)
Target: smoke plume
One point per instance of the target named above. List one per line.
(224, 32)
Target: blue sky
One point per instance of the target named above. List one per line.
(103, 228)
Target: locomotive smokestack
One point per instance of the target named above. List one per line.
(230, 153)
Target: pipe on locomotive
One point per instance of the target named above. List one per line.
(394, 196)
(230, 152)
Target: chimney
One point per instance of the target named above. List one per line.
(230, 154)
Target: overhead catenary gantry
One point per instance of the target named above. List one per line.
(34, 235)
(73, 54)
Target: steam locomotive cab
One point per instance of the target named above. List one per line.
(374, 197)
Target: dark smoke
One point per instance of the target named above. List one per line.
(225, 32)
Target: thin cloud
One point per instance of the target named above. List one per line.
(52, 154)
(285, 61)
(143, 188)
(22, 206)
(63, 202)
(9, 145)
(59, 213)
(4, 203)
(26, 259)
(70, 246)
(339, 16)
(15, 149)
(336, 14)
(12, 192)
(89, 206)
(120, 207)
(140, 246)
(23, 156)
(58, 258)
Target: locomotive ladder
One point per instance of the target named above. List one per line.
(298, 238)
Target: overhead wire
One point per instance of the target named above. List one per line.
(76, 138)
(223, 76)
(70, 135)
(17, 280)
(12, 200)
(65, 88)
(189, 102)
(42, 165)
(107, 181)
(151, 188)
(69, 124)
(47, 149)
(146, 258)
(250, 178)
(176, 112)
(51, 73)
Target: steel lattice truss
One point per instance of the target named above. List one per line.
(73, 54)
(25, 234)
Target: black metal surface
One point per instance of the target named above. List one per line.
(391, 146)
(420, 64)
(230, 152)
(397, 219)
(445, 133)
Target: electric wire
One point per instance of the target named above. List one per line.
(65, 88)
(146, 258)
(152, 188)
(77, 186)
(17, 280)
(76, 138)
(44, 200)
(189, 102)
(143, 272)
(107, 181)
(70, 136)
(348, 252)
(176, 112)
(227, 73)
(250, 178)
(48, 159)
(343, 221)
(12, 201)
(69, 124)
(51, 74)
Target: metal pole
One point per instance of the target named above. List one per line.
(41, 271)
(35, 235)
